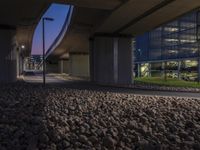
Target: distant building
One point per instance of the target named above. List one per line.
(33, 62)
(170, 50)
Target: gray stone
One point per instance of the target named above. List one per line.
(66, 144)
(109, 142)
(43, 138)
(83, 139)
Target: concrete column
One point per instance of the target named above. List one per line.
(52, 66)
(179, 70)
(199, 70)
(139, 70)
(165, 71)
(125, 63)
(61, 66)
(8, 71)
(115, 63)
(111, 60)
(19, 62)
(149, 68)
(79, 64)
(91, 61)
(64, 66)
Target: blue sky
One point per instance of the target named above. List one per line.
(52, 28)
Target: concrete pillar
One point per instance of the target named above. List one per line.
(64, 66)
(139, 70)
(111, 60)
(149, 68)
(179, 70)
(79, 64)
(52, 66)
(91, 61)
(125, 63)
(8, 71)
(19, 62)
(61, 66)
(165, 71)
(199, 70)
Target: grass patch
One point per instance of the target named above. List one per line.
(170, 82)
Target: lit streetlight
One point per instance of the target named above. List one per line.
(23, 47)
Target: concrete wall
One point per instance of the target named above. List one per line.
(111, 60)
(79, 65)
(8, 69)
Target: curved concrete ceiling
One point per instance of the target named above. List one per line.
(92, 17)
(84, 21)
(87, 16)
(24, 15)
(130, 17)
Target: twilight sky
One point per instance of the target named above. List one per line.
(52, 28)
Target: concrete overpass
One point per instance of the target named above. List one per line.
(101, 30)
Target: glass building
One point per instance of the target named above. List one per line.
(171, 50)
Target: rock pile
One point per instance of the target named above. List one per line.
(58, 118)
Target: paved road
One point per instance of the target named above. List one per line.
(76, 83)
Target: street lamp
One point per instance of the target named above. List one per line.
(23, 46)
(44, 53)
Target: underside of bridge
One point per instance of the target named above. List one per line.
(98, 42)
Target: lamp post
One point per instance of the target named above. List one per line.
(44, 53)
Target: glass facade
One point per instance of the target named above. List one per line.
(172, 48)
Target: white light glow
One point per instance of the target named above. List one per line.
(23, 46)
(171, 40)
(170, 29)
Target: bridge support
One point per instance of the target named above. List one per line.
(8, 69)
(64, 66)
(52, 66)
(19, 62)
(199, 70)
(111, 60)
(79, 64)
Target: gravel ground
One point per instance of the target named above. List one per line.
(58, 118)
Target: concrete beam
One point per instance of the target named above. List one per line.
(124, 14)
(96, 4)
